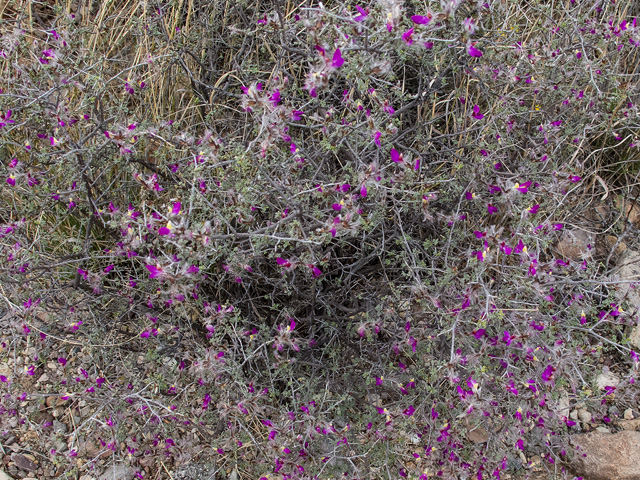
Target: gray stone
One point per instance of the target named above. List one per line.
(118, 472)
(584, 415)
(606, 379)
(59, 427)
(24, 463)
(605, 456)
(629, 271)
(195, 472)
(575, 245)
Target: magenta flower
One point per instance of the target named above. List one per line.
(315, 270)
(421, 19)
(363, 14)
(396, 157)
(473, 51)
(275, 98)
(297, 115)
(408, 36)
(62, 361)
(473, 385)
(337, 207)
(283, 262)
(155, 271)
(409, 411)
(469, 26)
(376, 138)
(522, 187)
(5, 119)
(491, 209)
(176, 208)
(476, 113)
(547, 375)
(11, 180)
(337, 61)
(575, 178)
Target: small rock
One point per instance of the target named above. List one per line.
(614, 411)
(603, 456)
(629, 270)
(4, 476)
(574, 415)
(612, 241)
(602, 429)
(147, 461)
(632, 425)
(60, 446)
(44, 419)
(606, 379)
(478, 435)
(118, 472)
(23, 463)
(92, 450)
(630, 210)
(584, 415)
(59, 427)
(563, 407)
(475, 432)
(628, 414)
(575, 244)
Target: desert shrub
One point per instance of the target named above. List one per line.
(312, 240)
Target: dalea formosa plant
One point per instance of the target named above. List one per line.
(313, 240)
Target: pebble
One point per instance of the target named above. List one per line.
(628, 414)
(59, 427)
(584, 415)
